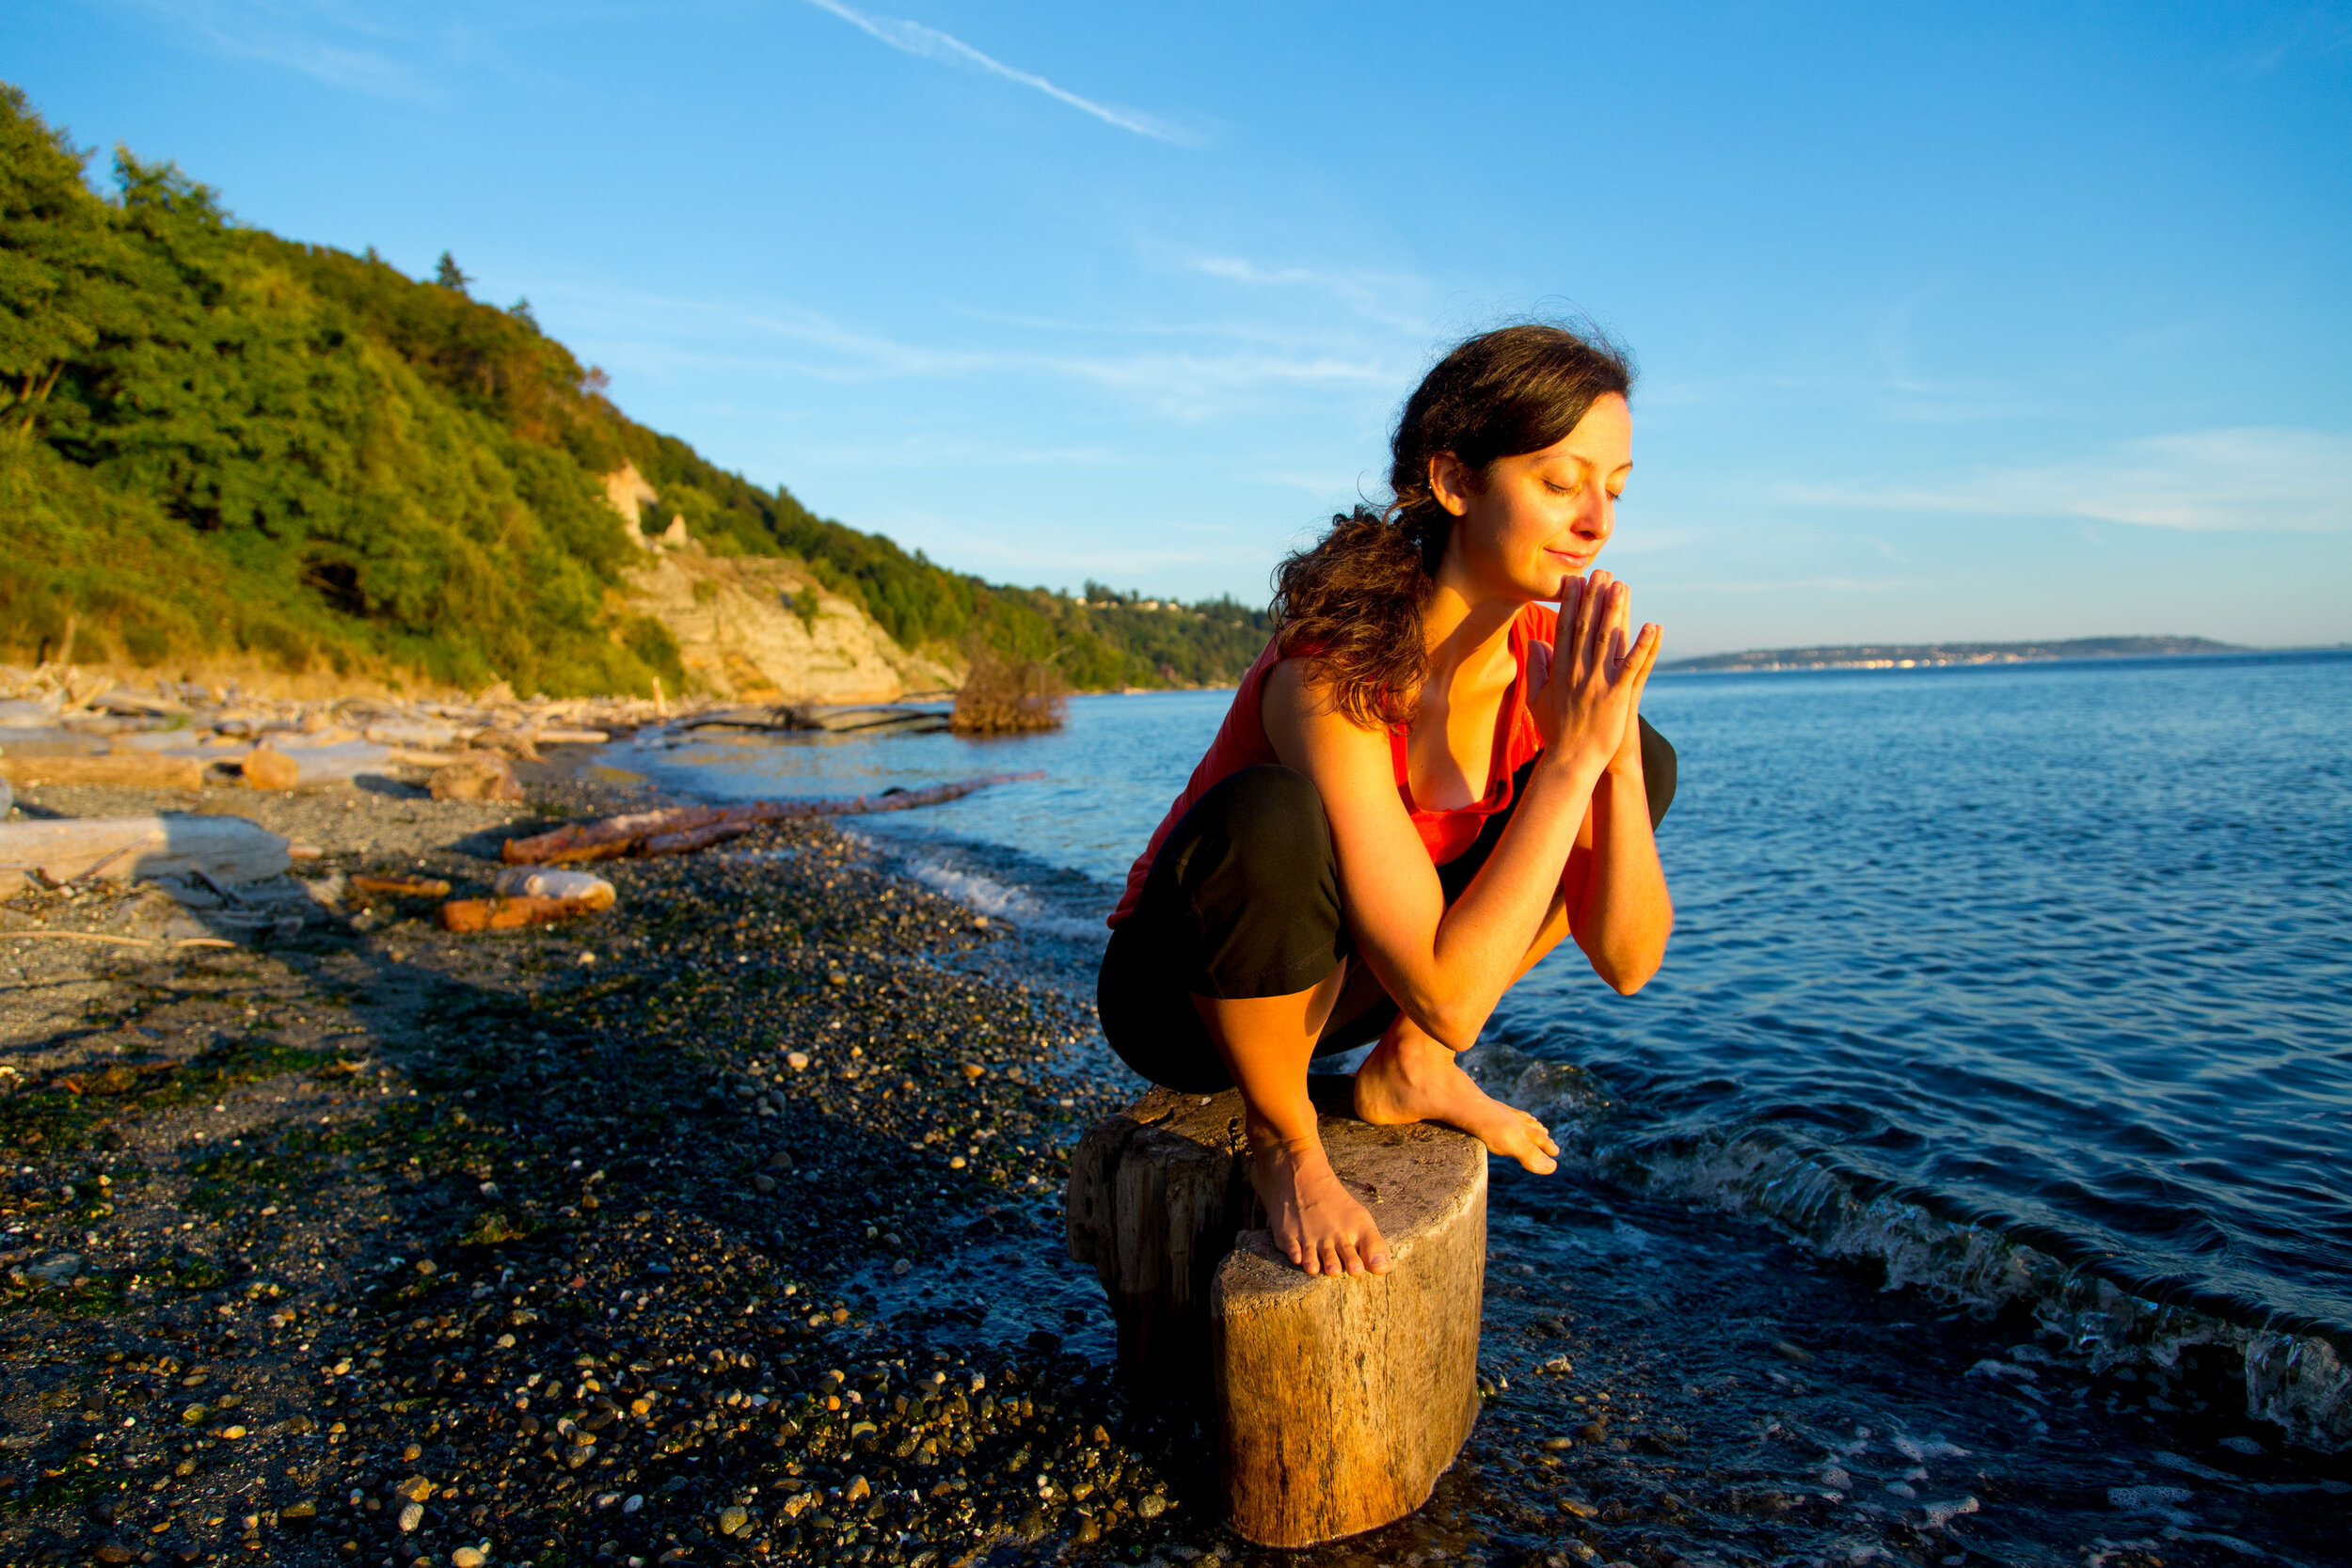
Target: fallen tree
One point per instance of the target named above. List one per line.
(680, 829)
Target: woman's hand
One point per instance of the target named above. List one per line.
(1586, 694)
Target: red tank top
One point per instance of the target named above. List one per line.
(1241, 742)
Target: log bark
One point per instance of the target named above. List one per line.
(1338, 1402)
(132, 769)
(1341, 1401)
(226, 849)
(1157, 1194)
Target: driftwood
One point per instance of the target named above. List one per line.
(132, 770)
(505, 914)
(64, 849)
(1337, 1400)
(402, 887)
(683, 827)
(794, 717)
(291, 764)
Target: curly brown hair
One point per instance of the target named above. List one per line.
(1352, 603)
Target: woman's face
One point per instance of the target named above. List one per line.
(1542, 516)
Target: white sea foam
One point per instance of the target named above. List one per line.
(2299, 1382)
(985, 894)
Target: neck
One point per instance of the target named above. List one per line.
(1463, 630)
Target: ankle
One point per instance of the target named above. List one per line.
(1266, 1138)
(1415, 1058)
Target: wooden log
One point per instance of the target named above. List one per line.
(1341, 1401)
(62, 849)
(1338, 1402)
(129, 769)
(681, 828)
(506, 915)
(1157, 1194)
(402, 887)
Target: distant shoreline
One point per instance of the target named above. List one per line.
(1930, 655)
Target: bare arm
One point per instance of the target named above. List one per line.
(1447, 968)
(1622, 913)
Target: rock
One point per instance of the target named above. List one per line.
(58, 1268)
(267, 768)
(533, 882)
(734, 1521)
(485, 776)
(468, 1557)
(1341, 1401)
(410, 1517)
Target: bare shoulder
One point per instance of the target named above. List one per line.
(1304, 730)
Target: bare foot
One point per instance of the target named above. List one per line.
(1410, 1077)
(1316, 1221)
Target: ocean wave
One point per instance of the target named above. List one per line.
(955, 876)
(2297, 1377)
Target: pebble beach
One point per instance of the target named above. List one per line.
(349, 1240)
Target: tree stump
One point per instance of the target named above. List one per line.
(1157, 1193)
(1338, 1402)
(1341, 1401)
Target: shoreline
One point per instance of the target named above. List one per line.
(585, 1154)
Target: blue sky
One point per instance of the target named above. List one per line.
(1981, 322)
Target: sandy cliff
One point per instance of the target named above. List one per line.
(739, 622)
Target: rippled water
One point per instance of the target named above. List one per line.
(2026, 985)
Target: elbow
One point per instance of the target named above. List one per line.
(1626, 978)
(1627, 968)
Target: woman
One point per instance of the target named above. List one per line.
(1426, 780)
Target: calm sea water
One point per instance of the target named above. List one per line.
(2028, 983)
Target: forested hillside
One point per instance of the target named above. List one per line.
(215, 443)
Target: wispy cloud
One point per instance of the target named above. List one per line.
(279, 36)
(930, 43)
(2289, 481)
(677, 336)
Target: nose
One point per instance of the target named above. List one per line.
(1597, 519)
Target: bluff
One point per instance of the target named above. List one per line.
(225, 451)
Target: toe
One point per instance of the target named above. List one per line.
(1349, 1257)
